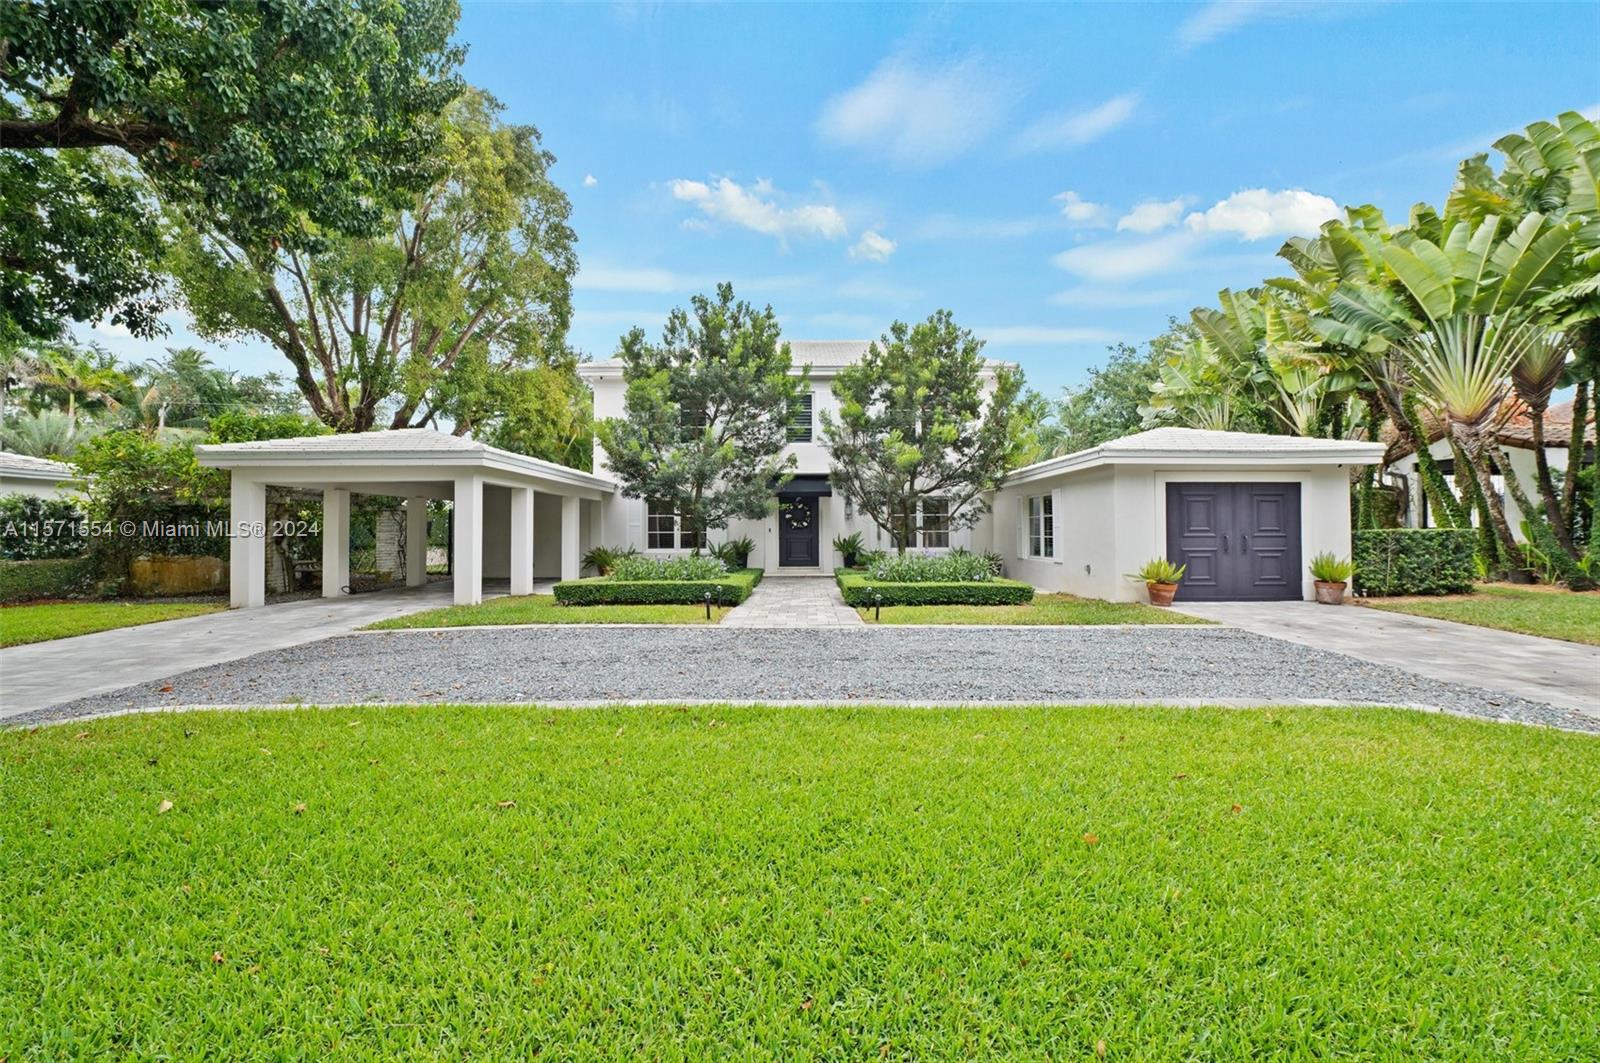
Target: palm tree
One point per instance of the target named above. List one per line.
(89, 382)
(46, 434)
(19, 368)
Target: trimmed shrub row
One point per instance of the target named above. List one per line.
(25, 581)
(860, 591)
(731, 589)
(1391, 561)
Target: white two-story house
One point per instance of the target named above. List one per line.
(807, 513)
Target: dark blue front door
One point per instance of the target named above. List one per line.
(798, 542)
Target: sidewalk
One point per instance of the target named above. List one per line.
(794, 601)
(49, 673)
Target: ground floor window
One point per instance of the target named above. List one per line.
(935, 523)
(665, 529)
(1041, 526)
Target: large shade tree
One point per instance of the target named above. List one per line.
(916, 422)
(270, 123)
(707, 413)
(471, 279)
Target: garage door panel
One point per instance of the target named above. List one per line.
(1241, 541)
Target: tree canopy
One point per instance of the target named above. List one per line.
(915, 425)
(707, 413)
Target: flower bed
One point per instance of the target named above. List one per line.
(863, 592)
(730, 588)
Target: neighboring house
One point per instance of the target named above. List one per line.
(40, 477)
(798, 535)
(1245, 512)
(1515, 438)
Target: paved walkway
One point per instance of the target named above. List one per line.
(1560, 673)
(794, 601)
(49, 673)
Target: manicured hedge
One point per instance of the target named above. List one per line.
(859, 591)
(25, 581)
(731, 589)
(1394, 561)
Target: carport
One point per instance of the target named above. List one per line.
(515, 517)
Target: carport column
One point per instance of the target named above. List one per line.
(522, 540)
(335, 541)
(416, 541)
(247, 548)
(570, 555)
(467, 561)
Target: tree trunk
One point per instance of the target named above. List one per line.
(1575, 449)
(1471, 438)
(1547, 487)
(1452, 513)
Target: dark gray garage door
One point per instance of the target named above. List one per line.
(1241, 541)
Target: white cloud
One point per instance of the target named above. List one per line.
(1076, 128)
(1078, 210)
(1217, 19)
(756, 208)
(1257, 213)
(1153, 215)
(1114, 298)
(590, 180)
(920, 115)
(1044, 335)
(874, 247)
(624, 279)
(1122, 260)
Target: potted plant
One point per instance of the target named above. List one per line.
(1160, 577)
(849, 547)
(1331, 575)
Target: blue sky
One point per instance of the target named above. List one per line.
(1060, 177)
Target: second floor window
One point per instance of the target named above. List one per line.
(800, 419)
(935, 523)
(666, 530)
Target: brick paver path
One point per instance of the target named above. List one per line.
(794, 601)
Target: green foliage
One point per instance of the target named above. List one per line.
(604, 558)
(1330, 569)
(850, 547)
(863, 592)
(954, 567)
(735, 553)
(1158, 570)
(707, 413)
(729, 589)
(79, 240)
(33, 528)
(1045, 610)
(914, 424)
(1414, 561)
(64, 577)
(545, 609)
(458, 308)
(46, 434)
(1110, 404)
(691, 567)
(238, 427)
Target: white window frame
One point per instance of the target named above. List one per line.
(1041, 528)
(924, 534)
(669, 524)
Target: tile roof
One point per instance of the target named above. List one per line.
(396, 441)
(1199, 448)
(1515, 427)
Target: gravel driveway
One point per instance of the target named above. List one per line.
(875, 664)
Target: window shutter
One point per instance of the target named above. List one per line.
(1022, 526)
(635, 510)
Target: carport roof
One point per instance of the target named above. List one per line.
(1194, 446)
(423, 448)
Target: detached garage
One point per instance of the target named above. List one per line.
(1244, 512)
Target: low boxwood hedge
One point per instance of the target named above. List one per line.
(1391, 561)
(861, 592)
(731, 589)
(26, 581)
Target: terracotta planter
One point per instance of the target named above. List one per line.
(1161, 593)
(1329, 593)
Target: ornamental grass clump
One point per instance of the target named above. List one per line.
(668, 569)
(955, 567)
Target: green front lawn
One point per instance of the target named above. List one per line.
(1549, 611)
(718, 882)
(22, 624)
(1045, 609)
(544, 609)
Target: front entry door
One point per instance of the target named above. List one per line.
(1241, 541)
(798, 533)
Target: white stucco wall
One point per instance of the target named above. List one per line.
(1522, 463)
(1111, 519)
(17, 485)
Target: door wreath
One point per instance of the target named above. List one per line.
(796, 516)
